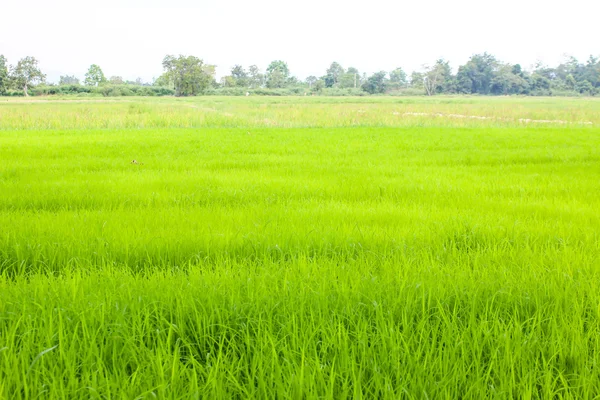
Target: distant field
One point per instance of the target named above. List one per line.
(312, 247)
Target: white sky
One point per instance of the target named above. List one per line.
(129, 38)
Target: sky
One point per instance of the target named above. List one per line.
(129, 38)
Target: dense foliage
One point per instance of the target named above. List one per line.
(482, 74)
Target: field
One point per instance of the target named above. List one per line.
(302, 248)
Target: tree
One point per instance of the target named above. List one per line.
(280, 66)
(137, 82)
(540, 84)
(255, 78)
(438, 78)
(115, 80)
(94, 76)
(276, 79)
(506, 81)
(311, 81)
(240, 76)
(333, 74)
(592, 71)
(3, 75)
(26, 73)
(210, 71)
(431, 79)
(318, 86)
(416, 80)
(346, 81)
(277, 74)
(164, 81)
(376, 83)
(570, 82)
(68, 80)
(569, 67)
(477, 74)
(573, 75)
(293, 81)
(584, 87)
(349, 79)
(398, 78)
(228, 81)
(189, 75)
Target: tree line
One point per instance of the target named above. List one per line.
(482, 74)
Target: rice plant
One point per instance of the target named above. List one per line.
(300, 248)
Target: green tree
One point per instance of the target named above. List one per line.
(137, 82)
(592, 71)
(276, 79)
(570, 82)
(68, 80)
(539, 83)
(416, 80)
(4, 81)
(568, 67)
(240, 76)
(438, 78)
(398, 78)
(348, 80)
(477, 74)
(189, 75)
(115, 80)
(333, 74)
(277, 74)
(318, 86)
(280, 66)
(210, 71)
(228, 81)
(376, 83)
(94, 76)
(544, 79)
(585, 87)
(164, 81)
(255, 78)
(351, 79)
(311, 81)
(293, 81)
(26, 73)
(506, 81)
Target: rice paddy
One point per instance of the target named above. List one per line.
(300, 248)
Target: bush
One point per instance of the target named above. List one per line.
(407, 92)
(131, 90)
(14, 93)
(45, 90)
(87, 91)
(565, 93)
(342, 92)
(231, 91)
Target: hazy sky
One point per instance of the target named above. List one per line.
(129, 38)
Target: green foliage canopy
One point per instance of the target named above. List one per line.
(94, 76)
(189, 75)
(26, 73)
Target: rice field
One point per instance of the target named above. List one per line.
(300, 248)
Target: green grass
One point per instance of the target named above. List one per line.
(300, 248)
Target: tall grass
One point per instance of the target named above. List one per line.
(294, 112)
(328, 253)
